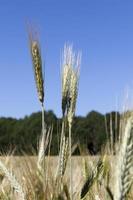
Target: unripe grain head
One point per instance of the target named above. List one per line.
(70, 78)
(66, 74)
(73, 89)
(37, 66)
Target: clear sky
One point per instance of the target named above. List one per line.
(102, 29)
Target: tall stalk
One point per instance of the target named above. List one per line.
(70, 159)
(39, 79)
(41, 154)
(70, 77)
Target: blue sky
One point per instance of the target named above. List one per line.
(102, 29)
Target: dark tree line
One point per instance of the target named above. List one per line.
(89, 132)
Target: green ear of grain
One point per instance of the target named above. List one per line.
(37, 66)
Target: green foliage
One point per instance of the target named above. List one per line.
(90, 131)
(23, 134)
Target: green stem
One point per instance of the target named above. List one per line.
(43, 141)
(60, 154)
(43, 123)
(70, 158)
(62, 133)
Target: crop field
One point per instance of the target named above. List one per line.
(24, 167)
(108, 176)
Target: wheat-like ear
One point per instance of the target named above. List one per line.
(85, 169)
(125, 164)
(13, 181)
(73, 87)
(92, 176)
(73, 92)
(63, 158)
(66, 74)
(70, 97)
(37, 66)
(70, 78)
(61, 168)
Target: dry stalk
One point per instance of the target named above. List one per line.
(70, 78)
(38, 74)
(73, 92)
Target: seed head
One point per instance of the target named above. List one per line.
(37, 66)
(66, 74)
(70, 77)
(73, 90)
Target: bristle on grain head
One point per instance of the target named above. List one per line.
(73, 88)
(66, 74)
(72, 95)
(70, 77)
(37, 66)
